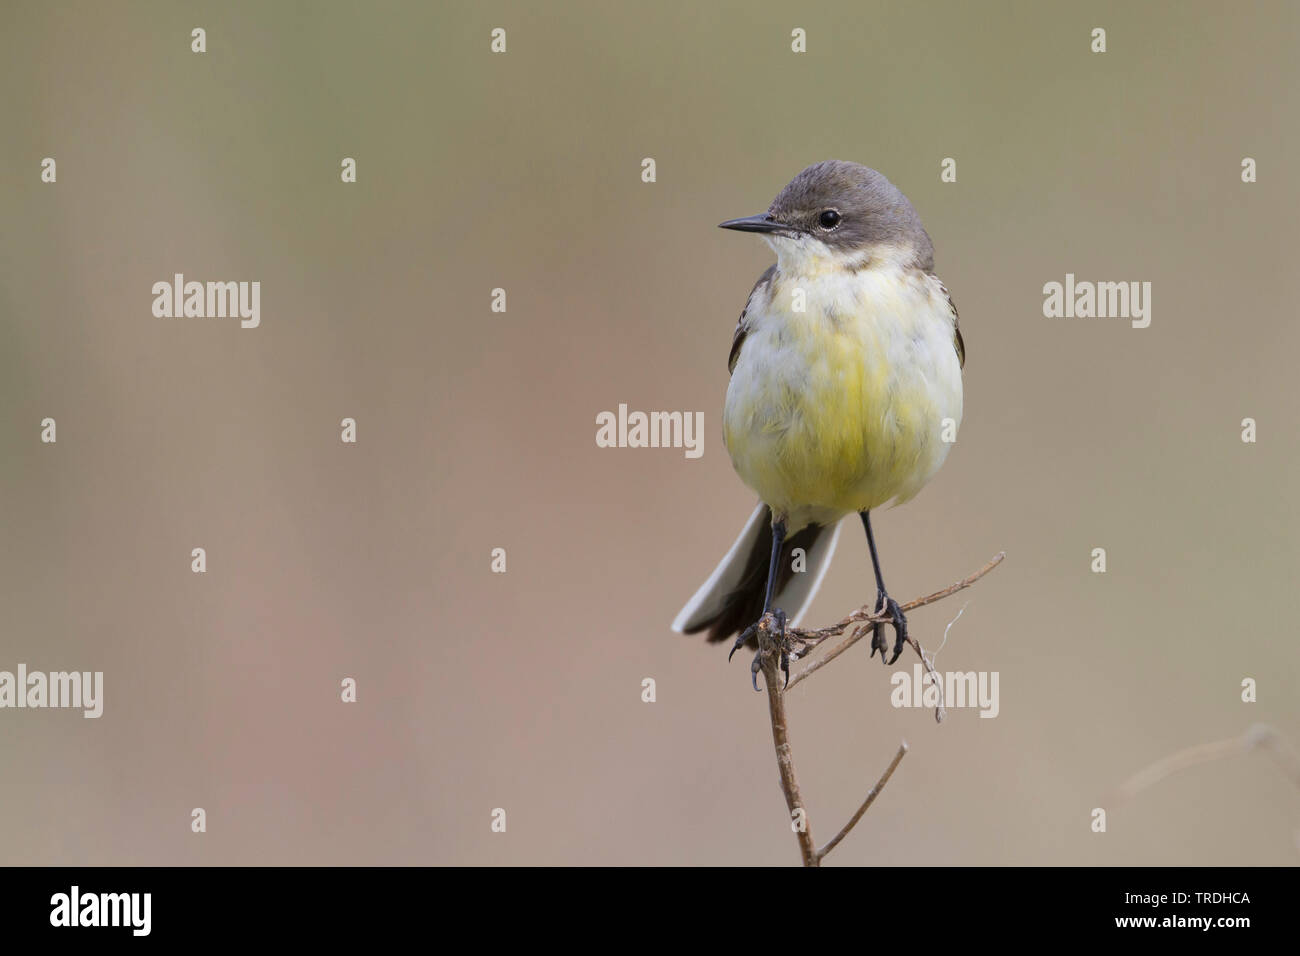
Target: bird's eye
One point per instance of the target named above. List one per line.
(829, 219)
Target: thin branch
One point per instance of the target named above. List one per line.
(784, 755)
(940, 711)
(797, 642)
(871, 798)
(1258, 736)
(866, 617)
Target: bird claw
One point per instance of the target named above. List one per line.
(745, 635)
(886, 604)
(775, 619)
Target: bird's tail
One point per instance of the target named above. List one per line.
(732, 598)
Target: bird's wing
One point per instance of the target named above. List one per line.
(738, 339)
(957, 342)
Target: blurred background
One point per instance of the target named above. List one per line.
(476, 430)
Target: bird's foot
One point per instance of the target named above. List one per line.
(887, 605)
(773, 622)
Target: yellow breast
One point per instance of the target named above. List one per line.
(849, 403)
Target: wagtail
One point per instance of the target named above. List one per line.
(845, 394)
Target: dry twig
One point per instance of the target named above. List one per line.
(804, 640)
(871, 798)
(799, 641)
(1259, 736)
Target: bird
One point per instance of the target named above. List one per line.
(845, 394)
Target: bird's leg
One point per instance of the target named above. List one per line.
(777, 623)
(884, 603)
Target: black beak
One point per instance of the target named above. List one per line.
(760, 223)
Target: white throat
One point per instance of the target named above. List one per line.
(809, 256)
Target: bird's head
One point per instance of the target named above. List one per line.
(838, 215)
